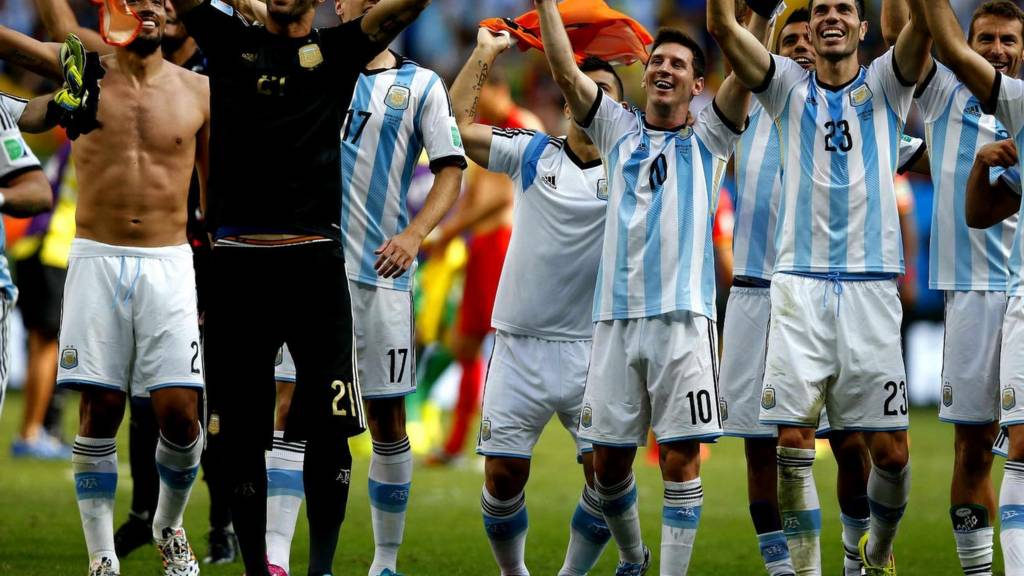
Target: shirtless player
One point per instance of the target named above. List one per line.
(129, 322)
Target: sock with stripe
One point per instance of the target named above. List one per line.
(853, 529)
(284, 497)
(770, 539)
(799, 508)
(94, 461)
(588, 535)
(506, 524)
(1011, 512)
(888, 493)
(389, 480)
(680, 516)
(973, 535)
(178, 467)
(619, 505)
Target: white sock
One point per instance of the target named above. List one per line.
(973, 535)
(178, 467)
(888, 493)
(588, 535)
(853, 529)
(800, 510)
(680, 516)
(775, 553)
(1011, 512)
(94, 461)
(506, 524)
(389, 481)
(619, 505)
(284, 497)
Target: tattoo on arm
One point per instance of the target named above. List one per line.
(391, 27)
(481, 79)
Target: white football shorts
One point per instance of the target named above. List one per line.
(970, 357)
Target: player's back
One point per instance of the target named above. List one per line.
(392, 119)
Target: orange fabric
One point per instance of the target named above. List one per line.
(594, 30)
(119, 25)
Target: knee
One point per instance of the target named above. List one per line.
(973, 450)
(892, 456)
(386, 419)
(610, 466)
(802, 438)
(100, 413)
(506, 477)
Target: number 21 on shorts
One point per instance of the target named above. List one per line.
(343, 390)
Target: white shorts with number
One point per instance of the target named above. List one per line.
(529, 380)
(129, 319)
(835, 345)
(970, 357)
(659, 372)
(744, 342)
(382, 321)
(1011, 364)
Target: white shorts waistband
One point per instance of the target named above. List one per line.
(84, 248)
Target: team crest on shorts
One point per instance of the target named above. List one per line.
(587, 417)
(947, 395)
(280, 357)
(69, 358)
(1009, 399)
(768, 398)
(213, 427)
(397, 98)
(485, 429)
(723, 408)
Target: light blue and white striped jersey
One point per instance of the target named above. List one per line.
(547, 284)
(840, 146)
(1009, 110)
(395, 114)
(758, 185)
(662, 194)
(15, 159)
(961, 258)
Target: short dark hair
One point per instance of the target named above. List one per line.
(998, 8)
(862, 11)
(675, 36)
(798, 16)
(594, 64)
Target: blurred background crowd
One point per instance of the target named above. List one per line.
(441, 39)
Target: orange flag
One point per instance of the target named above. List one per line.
(119, 25)
(594, 30)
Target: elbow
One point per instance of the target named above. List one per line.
(41, 199)
(716, 26)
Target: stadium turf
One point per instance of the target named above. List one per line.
(40, 532)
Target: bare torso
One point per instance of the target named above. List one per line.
(134, 172)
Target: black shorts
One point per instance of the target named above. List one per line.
(40, 289)
(260, 298)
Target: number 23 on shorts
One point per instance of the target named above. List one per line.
(896, 402)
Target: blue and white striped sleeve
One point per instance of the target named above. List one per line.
(441, 138)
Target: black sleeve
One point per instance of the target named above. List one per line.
(593, 110)
(768, 77)
(993, 100)
(215, 26)
(348, 43)
(924, 84)
(899, 73)
(456, 161)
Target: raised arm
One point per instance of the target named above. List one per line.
(579, 90)
(42, 58)
(465, 94)
(60, 20)
(385, 21)
(733, 98)
(988, 204)
(749, 58)
(970, 67)
(895, 15)
(914, 46)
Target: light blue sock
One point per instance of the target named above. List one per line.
(506, 524)
(800, 510)
(619, 505)
(680, 517)
(94, 461)
(775, 553)
(588, 535)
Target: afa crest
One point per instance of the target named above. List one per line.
(723, 408)
(280, 357)
(1009, 399)
(485, 429)
(768, 398)
(69, 358)
(587, 417)
(310, 56)
(213, 427)
(861, 95)
(947, 395)
(398, 97)
(602, 189)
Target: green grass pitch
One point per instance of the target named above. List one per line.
(40, 532)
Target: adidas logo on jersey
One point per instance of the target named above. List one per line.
(550, 180)
(974, 110)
